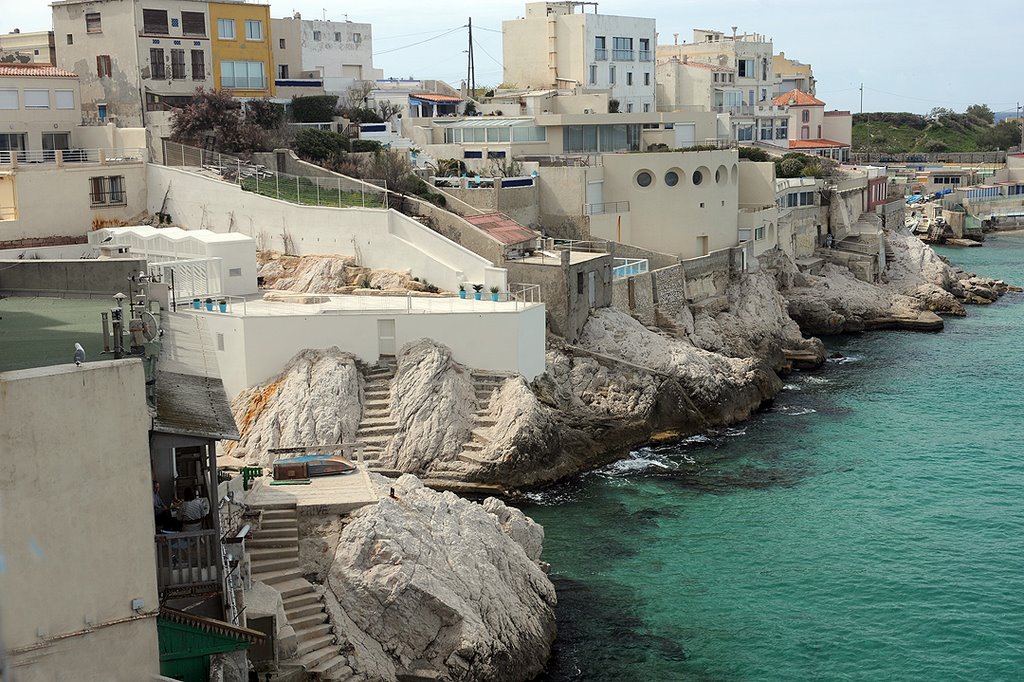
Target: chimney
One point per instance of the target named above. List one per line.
(734, 32)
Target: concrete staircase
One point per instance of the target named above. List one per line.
(484, 385)
(377, 426)
(274, 554)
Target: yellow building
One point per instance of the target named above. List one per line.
(240, 43)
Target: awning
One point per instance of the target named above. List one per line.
(486, 122)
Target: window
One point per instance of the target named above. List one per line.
(103, 65)
(745, 133)
(71, 39)
(805, 115)
(157, 68)
(253, 29)
(198, 66)
(647, 107)
(593, 74)
(234, 272)
(337, 36)
(280, 43)
(671, 178)
(622, 49)
(54, 141)
(357, 38)
(226, 29)
(154, 22)
(647, 78)
(806, 198)
(645, 49)
(220, 341)
(805, 132)
(193, 24)
(782, 131)
(8, 99)
(611, 74)
(65, 99)
(242, 75)
(92, 23)
(759, 233)
(791, 200)
(316, 36)
(745, 68)
(644, 179)
(764, 94)
(629, 78)
(282, 71)
(107, 190)
(178, 65)
(37, 99)
(698, 177)
(629, 107)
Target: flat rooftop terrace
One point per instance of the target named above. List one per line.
(344, 304)
(323, 494)
(40, 332)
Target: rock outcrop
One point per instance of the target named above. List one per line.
(330, 274)
(432, 586)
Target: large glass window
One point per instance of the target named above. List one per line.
(622, 49)
(600, 48)
(745, 68)
(591, 139)
(529, 134)
(745, 133)
(226, 29)
(254, 30)
(242, 75)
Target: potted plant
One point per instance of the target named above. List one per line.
(477, 288)
(462, 291)
(209, 304)
(494, 293)
(196, 303)
(223, 304)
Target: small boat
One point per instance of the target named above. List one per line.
(318, 465)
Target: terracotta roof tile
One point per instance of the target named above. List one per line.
(815, 144)
(430, 97)
(36, 71)
(797, 98)
(502, 228)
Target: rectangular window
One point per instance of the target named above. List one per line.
(234, 272)
(745, 68)
(8, 99)
(645, 49)
(92, 23)
(806, 198)
(629, 107)
(629, 78)
(157, 68)
(37, 99)
(282, 71)
(759, 233)
(154, 22)
(337, 37)
(357, 38)
(198, 66)
(178, 65)
(647, 78)
(253, 29)
(593, 74)
(242, 75)
(193, 24)
(600, 49)
(54, 141)
(107, 190)
(622, 49)
(316, 36)
(745, 133)
(791, 200)
(226, 29)
(65, 99)
(647, 107)
(805, 132)
(71, 39)
(280, 43)
(103, 65)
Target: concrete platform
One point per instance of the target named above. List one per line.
(323, 495)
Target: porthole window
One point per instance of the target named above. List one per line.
(698, 177)
(671, 178)
(718, 175)
(644, 179)
(722, 175)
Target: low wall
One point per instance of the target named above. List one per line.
(641, 295)
(933, 157)
(522, 204)
(85, 278)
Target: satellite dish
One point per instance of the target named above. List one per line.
(150, 329)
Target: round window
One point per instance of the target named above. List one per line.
(698, 177)
(644, 179)
(671, 178)
(718, 176)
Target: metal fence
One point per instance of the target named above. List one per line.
(629, 266)
(606, 207)
(71, 156)
(330, 191)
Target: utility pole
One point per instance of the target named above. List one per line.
(471, 67)
(862, 98)
(1020, 124)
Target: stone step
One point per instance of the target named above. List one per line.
(301, 613)
(380, 440)
(278, 514)
(376, 394)
(309, 620)
(473, 446)
(272, 565)
(390, 473)
(483, 435)
(273, 543)
(313, 644)
(303, 601)
(276, 534)
(268, 553)
(376, 412)
(313, 631)
(277, 524)
(376, 421)
(376, 430)
(486, 421)
(276, 577)
(274, 506)
(471, 457)
(311, 658)
(294, 588)
(376, 404)
(334, 668)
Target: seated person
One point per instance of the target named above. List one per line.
(164, 519)
(192, 511)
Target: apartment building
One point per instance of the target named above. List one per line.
(34, 47)
(39, 106)
(814, 130)
(132, 59)
(558, 45)
(793, 75)
(750, 54)
(338, 53)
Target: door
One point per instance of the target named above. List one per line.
(592, 289)
(386, 337)
(702, 245)
(686, 134)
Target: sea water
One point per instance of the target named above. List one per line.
(868, 525)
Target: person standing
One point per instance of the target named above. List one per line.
(192, 511)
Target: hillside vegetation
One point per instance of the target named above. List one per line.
(942, 130)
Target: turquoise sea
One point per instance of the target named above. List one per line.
(868, 525)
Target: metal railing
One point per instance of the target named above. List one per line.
(600, 54)
(375, 302)
(579, 246)
(629, 266)
(606, 207)
(331, 192)
(622, 55)
(645, 55)
(68, 156)
(188, 563)
(528, 294)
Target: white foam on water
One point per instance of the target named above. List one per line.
(791, 387)
(816, 380)
(795, 411)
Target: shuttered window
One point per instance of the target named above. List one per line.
(92, 23)
(178, 65)
(154, 22)
(193, 24)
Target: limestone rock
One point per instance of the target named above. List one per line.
(441, 588)
(313, 401)
(305, 274)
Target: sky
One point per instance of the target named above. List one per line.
(910, 56)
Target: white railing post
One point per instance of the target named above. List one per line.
(339, 192)
(238, 172)
(298, 196)
(317, 181)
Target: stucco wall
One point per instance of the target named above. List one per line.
(77, 524)
(55, 201)
(565, 294)
(519, 203)
(258, 347)
(67, 277)
(377, 238)
(562, 193)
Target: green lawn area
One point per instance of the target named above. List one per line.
(886, 137)
(304, 191)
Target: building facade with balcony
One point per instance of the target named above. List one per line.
(240, 37)
(749, 54)
(338, 53)
(556, 46)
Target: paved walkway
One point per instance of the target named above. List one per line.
(324, 494)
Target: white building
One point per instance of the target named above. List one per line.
(338, 53)
(554, 46)
(29, 46)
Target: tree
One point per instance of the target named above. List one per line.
(322, 147)
(754, 154)
(264, 113)
(613, 106)
(981, 112)
(1001, 136)
(393, 171)
(388, 110)
(216, 114)
(314, 109)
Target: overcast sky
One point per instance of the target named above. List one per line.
(910, 56)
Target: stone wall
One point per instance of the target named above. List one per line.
(522, 204)
(85, 278)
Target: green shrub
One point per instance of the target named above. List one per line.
(314, 109)
(366, 146)
(320, 146)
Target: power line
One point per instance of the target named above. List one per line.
(420, 42)
(488, 54)
(421, 33)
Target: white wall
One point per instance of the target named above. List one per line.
(377, 238)
(36, 121)
(76, 522)
(257, 347)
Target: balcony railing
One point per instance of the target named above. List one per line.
(626, 267)
(600, 54)
(606, 207)
(645, 55)
(622, 55)
(188, 563)
(69, 156)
